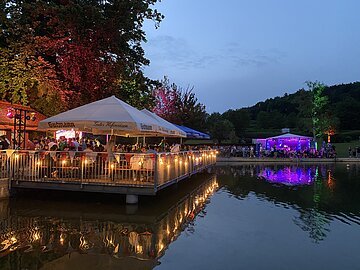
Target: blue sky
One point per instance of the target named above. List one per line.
(236, 53)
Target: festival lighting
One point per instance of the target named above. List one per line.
(10, 113)
(290, 176)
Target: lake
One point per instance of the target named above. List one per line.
(247, 216)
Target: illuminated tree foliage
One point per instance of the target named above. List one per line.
(323, 119)
(179, 106)
(72, 52)
(167, 100)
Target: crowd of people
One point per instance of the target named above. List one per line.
(96, 145)
(252, 151)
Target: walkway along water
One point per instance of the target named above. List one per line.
(132, 174)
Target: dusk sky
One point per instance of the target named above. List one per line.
(236, 53)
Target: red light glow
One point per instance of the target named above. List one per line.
(10, 113)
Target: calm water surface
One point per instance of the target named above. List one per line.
(237, 217)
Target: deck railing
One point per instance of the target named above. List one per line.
(118, 169)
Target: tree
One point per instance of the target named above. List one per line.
(239, 118)
(319, 106)
(192, 112)
(179, 106)
(91, 49)
(263, 120)
(220, 129)
(26, 79)
(167, 99)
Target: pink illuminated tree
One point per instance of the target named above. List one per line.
(179, 106)
(167, 99)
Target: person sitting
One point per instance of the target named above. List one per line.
(30, 145)
(175, 148)
(53, 145)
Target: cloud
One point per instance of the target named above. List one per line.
(255, 57)
(177, 52)
(169, 51)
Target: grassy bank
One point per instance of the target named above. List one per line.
(342, 149)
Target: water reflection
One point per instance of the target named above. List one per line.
(320, 193)
(289, 175)
(318, 216)
(34, 236)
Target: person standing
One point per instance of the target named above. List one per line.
(109, 147)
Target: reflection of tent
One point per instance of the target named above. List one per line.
(106, 116)
(289, 175)
(167, 127)
(193, 134)
(286, 141)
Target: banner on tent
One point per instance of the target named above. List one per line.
(61, 125)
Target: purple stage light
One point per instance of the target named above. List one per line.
(291, 176)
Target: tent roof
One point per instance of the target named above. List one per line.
(170, 128)
(102, 116)
(191, 133)
(289, 136)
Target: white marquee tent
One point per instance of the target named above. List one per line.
(107, 116)
(170, 129)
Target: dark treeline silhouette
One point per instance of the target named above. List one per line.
(293, 111)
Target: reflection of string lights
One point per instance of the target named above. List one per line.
(84, 245)
(145, 244)
(35, 235)
(184, 215)
(139, 249)
(62, 239)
